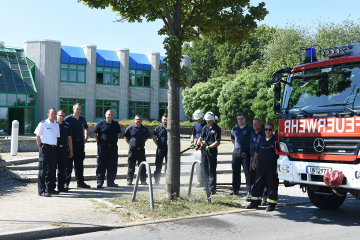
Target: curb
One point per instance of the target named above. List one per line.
(59, 232)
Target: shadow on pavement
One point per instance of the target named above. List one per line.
(346, 215)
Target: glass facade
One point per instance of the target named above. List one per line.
(17, 91)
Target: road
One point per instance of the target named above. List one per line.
(291, 222)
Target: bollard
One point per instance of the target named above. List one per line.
(14, 137)
(142, 164)
(205, 179)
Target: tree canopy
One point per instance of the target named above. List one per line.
(226, 21)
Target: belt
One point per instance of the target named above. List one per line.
(49, 145)
(135, 148)
(78, 139)
(108, 144)
(60, 146)
(242, 149)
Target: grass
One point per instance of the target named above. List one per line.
(180, 207)
(59, 224)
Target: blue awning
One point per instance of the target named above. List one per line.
(161, 61)
(139, 61)
(72, 55)
(106, 58)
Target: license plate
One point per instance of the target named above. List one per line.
(317, 170)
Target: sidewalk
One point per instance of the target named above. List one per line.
(25, 215)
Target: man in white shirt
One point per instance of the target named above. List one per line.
(47, 133)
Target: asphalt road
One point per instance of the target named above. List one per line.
(292, 222)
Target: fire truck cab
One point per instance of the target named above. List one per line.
(319, 123)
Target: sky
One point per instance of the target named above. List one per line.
(74, 24)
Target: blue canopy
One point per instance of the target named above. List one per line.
(139, 61)
(106, 58)
(74, 55)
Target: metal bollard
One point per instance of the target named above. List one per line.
(205, 179)
(150, 184)
(14, 137)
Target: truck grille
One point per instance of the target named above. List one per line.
(333, 146)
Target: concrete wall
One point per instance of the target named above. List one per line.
(28, 145)
(46, 56)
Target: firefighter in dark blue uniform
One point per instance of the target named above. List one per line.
(136, 135)
(266, 172)
(78, 124)
(211, 134)
(254, 140)
(160, 139)
(64, 143)
(107, 133)
(195, 134)
(240, 137)
(47, 133)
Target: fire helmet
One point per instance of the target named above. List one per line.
(198, 114)
(209, 116)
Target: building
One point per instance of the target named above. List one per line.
(128, 83)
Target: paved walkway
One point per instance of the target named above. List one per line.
(25, 215)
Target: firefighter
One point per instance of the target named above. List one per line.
(160, 140)
(196, 133)
(266, 171)
(211, 134)
(47, 133)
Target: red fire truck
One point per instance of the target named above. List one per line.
(319, 123)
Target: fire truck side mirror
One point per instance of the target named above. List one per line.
(277, 92)
(276, 78)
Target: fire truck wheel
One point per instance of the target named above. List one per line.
(325, 202)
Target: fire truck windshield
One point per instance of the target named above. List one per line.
(316, 90)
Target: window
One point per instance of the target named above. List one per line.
(107, 76)
(162, 109)
(73, 73)
(139, 78)
(142, 108)
(163, 80)
(66, 104)
(103, 105)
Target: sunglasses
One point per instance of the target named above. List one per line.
(61, 115)
(268, 129)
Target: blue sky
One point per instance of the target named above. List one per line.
(74, 24)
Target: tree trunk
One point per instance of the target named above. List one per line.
(173, 163)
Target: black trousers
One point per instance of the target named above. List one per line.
(139, 155)
(47, 167)
(252, 176)
(210, 164)
(107, 161)
(265, 175)
(160, 155)
(62, 154)
(77, 161)
(238, 159)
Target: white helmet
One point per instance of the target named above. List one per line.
(198, 114)
(209, 116)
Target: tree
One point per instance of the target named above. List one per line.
(203, 96)
(201, 53)
(238, 95)
(184, 21)
(2, 44)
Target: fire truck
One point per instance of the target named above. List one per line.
(318, 104)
